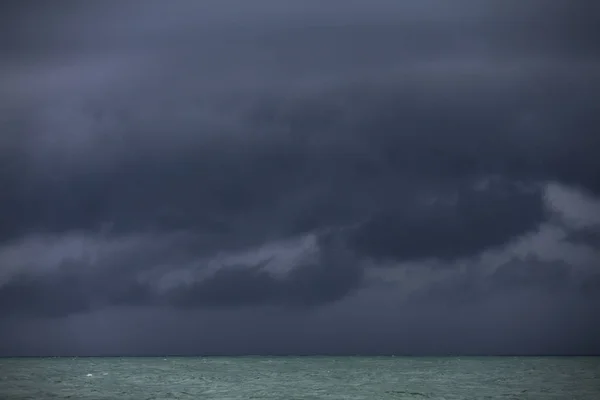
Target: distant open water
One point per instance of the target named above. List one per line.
(288, 378)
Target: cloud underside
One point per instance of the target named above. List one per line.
(280, 160)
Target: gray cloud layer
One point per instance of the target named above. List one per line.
(163, 156)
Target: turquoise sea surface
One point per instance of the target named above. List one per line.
(344, 378)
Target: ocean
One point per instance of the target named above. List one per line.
(343, 378)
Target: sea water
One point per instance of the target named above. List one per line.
(289, 378)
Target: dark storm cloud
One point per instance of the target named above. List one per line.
(132, 278)
(411, 130)
(299, 167)
(476, 220)
(328, 278)
(588, 236)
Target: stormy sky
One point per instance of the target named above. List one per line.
(276, 176)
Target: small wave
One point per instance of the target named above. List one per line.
(406, 392)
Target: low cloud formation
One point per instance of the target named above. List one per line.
(301, 160)
(92, 273)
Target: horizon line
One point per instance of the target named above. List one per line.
(220, 355)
